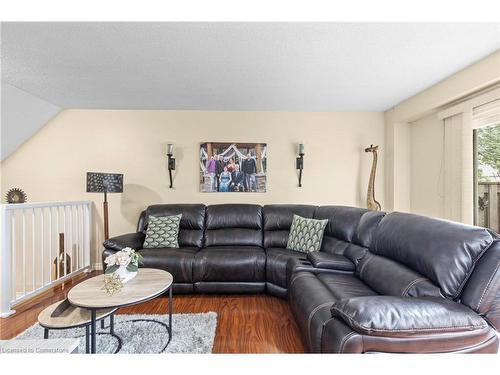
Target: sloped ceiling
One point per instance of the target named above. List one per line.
(22, 116)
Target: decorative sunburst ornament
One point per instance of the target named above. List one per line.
(112, 283)
(15, 195)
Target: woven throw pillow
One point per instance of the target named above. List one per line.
(306, 235)
(162, 231)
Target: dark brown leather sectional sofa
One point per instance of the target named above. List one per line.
(398, 283)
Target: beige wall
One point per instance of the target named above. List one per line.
(51, 166)
(401, 169)
(426, 166)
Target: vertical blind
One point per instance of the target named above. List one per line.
(453, 167)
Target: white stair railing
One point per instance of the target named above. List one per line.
(43, 244)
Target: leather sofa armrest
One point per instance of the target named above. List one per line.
(406, 316)
(330, 261)
(133, 240)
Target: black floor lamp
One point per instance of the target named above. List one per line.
(98, 182)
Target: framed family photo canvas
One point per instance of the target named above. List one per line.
(233, 167)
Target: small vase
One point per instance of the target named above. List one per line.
(125, 275)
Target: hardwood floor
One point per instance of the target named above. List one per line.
(245, 323)
(27, 312)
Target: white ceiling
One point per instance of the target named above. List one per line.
(237, 66)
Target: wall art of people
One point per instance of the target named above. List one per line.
(233, 167)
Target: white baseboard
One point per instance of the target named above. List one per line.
(7, 313)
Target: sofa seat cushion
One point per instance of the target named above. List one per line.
(310, 301)
(179, 262)
(230, 263)
(406, 316)
(311, 297)
(345, 286)
(276, 266)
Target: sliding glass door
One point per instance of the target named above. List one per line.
(487, 176)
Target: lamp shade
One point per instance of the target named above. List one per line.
(98, 182)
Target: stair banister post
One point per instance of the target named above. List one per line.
(5, 264)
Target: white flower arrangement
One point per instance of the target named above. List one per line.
(127, 257)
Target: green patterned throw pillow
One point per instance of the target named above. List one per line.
(306, 234)
(162, 231)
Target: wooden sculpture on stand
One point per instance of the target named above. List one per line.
(371, 202)
(58, 264)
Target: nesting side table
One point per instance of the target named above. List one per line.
(63, 315)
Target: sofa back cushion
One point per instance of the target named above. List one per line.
(191, 226)
(278, 220)
(368, 224)
(234, 225)
(388, 277)
(482, 292)
(349, 230)
(342, 222)
(441, 251)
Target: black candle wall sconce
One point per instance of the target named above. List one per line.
(300, 162)
(171, 162)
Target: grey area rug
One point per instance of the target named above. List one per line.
(192, 333)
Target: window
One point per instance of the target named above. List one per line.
(486, 123)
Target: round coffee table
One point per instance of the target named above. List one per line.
(147, 285)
